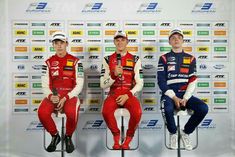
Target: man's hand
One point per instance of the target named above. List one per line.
(121, 99)
(60, 104)
(183, 102)
(177, 101)
(118, 70)
(55, 99)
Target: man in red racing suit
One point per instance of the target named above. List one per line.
(122, 72)
(62, 81)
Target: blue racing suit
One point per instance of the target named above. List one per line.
(177, 77)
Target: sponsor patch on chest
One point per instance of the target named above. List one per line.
(184, 70)
(129, 63)
(69, 62)
(171, 68)
(186, 60)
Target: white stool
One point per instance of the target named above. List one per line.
(120, 114)
(178, 114)
(62, 150)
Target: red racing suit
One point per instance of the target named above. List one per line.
(65, 75)
(129, 83)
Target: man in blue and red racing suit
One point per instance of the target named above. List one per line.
(177, 80)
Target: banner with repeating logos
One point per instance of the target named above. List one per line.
(208, 28)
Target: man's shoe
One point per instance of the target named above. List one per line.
(186, 140)
(54, 141)
(173, 141)
(69, 147)
(116, 144)
(126, 143)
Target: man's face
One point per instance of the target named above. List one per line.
(60, 47)
(176, 41)
(120, 43)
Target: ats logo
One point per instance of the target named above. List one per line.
(149, 109)
(94, 109)
(150, 124)
(207, 124)
(94, 125)
(55, 24)
(204, 8)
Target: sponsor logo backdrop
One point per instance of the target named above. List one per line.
(90, 26)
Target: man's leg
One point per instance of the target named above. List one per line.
(134, 108)
(45, 110)
(108, 110)
(167, 109)
(71, 109)
(200, 109)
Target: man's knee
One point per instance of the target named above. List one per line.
(204, 109)
(167, 105)
(43, 112)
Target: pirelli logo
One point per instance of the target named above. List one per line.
(94, 49)
(188, 32)
(36, 101)
(132, 48)
(220, 33)
(110, 32)
(21, 85)
(94, 101)
(21, 101)
(75, 33)
(38, 49)
(21, 32)
(132, 32)
(77, 49)
(188, 49)
(164, 32)
(21, 49)
(149, 101)
(203, 49)
(220, 84)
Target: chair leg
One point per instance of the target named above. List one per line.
(122, 135)
(178, 130)
(62, 138)
(44, 138)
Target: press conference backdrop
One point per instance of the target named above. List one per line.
(208, 27)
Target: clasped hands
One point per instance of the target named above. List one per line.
(59, 103)
(179, 102)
